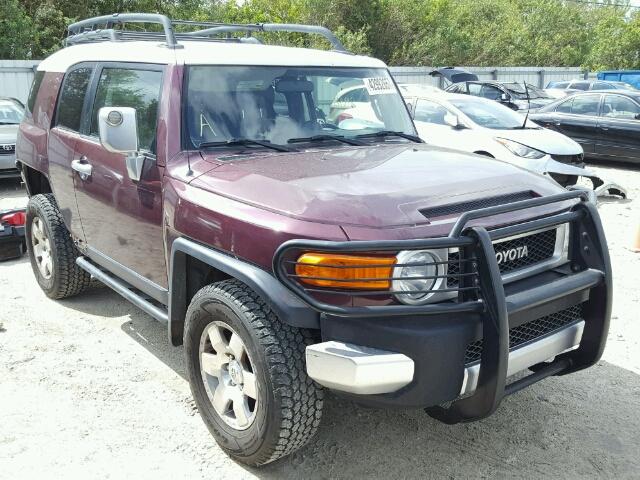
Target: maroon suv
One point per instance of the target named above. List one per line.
(291, 250)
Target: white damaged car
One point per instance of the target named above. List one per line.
(487, 128)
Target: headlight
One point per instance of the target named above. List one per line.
(419, 271)
(519, 149)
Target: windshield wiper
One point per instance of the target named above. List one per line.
(246, 141)
(324, 138)
(390, 133)
(9, 123)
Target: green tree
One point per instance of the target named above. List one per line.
(16, 30)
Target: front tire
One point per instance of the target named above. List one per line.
(247, 374)
(51, 250)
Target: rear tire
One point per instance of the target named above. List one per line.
(229, 322)
(51, 250)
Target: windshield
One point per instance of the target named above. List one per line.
(518, 90)
(10, 113)
(279, 104)
(489, 114)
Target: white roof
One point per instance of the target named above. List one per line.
(202, 53)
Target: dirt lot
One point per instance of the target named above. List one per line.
(91, 389)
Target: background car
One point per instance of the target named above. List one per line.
(12, 242)
(11, 113)
(485, 127)
(511, 94)
(559, 92)
(352, 102)
(630, 77)
(584, 85)
(606, 124)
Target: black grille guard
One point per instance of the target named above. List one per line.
(590, 263)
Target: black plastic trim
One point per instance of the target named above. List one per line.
(289, 308)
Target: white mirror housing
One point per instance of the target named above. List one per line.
(451, 120)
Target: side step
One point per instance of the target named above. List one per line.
(124, 289)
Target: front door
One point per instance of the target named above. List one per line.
(619, 129)
(577, 117)
(122, 219)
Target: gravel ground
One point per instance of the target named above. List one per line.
(91, 388)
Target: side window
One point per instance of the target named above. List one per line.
(139, 89)
(603, 86)
(35, 88)
(586, 105)
(430, 112)
(560, 85)
(565, 107)
(490, 92)
(580, 85)
(474, 89)
(71, 98)
(619, 107)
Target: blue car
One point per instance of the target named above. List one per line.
(632, 77)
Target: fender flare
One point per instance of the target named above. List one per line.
(289, 308)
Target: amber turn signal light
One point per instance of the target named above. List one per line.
(345, 271)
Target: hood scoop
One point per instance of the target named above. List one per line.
(455, 208)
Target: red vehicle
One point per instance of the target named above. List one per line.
(200, 177)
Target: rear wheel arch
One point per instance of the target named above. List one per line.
(35, 181)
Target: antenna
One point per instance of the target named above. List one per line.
(526, 117)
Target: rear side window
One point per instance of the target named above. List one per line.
(616, 106)
(35, 88)
(72, 96)
(565, 107)
(139, 89)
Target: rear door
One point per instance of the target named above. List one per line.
(122, 218)
(62, 141)
(619, 129)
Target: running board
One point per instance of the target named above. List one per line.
(123, 289)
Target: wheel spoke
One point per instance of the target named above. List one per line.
(249, 385)
(217, 340)
(212, 363)
(241, 410)
(48, 267)
(221, 399)
(236, 346)
(37, 230)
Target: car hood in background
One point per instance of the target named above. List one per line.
(8, 133)
(543, 139)
(454, 75)
(377, 186)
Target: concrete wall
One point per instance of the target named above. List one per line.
(538, 76)
(16, 77)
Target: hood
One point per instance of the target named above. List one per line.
(543, 139)
(377, 186)
(8, 133)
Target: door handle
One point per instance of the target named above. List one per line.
(604, 128)
(82, 167)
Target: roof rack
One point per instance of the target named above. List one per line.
(104, 28)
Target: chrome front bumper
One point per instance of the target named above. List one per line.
(367, 371)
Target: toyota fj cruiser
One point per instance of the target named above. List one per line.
(205, 179)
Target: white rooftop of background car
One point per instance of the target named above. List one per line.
(202, 53)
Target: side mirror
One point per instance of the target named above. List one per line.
(637, 117)
(505, 98)
(118, 129)
(453, 121)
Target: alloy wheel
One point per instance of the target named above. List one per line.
(41, 248)
(228, 375)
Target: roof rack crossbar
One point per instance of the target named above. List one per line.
(80, 27)
(273, 27)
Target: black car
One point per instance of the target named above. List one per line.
(511, 94)
(605, 123)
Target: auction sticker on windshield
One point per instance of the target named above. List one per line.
(379, 85)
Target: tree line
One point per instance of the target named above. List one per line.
(595, 34)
